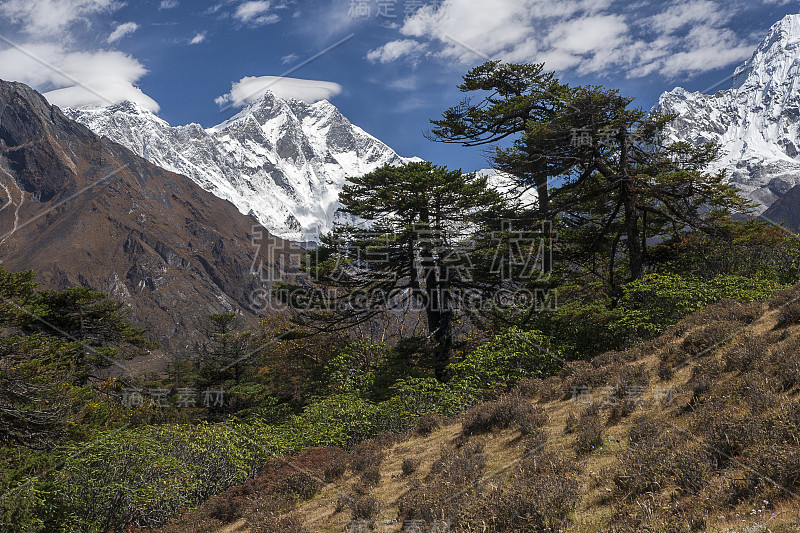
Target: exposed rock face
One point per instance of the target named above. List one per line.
(82, 210)
(786, 209)
(283, 161)
(757, 121)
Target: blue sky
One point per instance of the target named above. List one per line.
(396, 64)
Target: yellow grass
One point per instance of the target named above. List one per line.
(503, 449)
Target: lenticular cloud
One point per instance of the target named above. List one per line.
(249, 89)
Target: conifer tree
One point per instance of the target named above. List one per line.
(413, 253)
(600, 166)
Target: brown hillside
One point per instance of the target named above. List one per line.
(81, 210)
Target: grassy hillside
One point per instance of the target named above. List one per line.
(697, 430)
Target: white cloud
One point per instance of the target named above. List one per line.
(685, 36)
(290, 58)
(256, 13)
(168, 4)
(250, 89)
(51, 17)
(587, 43)
(52, 64)
(710, 50)
(409, 83)
(198, 38)
(104, 77)
(682, 14)
(585, 35)
(394, 50)
(121, 31)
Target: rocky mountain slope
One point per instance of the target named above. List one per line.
(785, 210)
(757, 121)
(82, 210)
(283, 161)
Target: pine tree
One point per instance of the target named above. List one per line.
(513, 97)
(227, 351)
(92, 318)
(51, 342)
(601, 167)
(418, 216)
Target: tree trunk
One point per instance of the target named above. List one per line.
(632, 233)
(437, 311)
(544, 213)
(543, 196)
(631, 212)
(644, 236)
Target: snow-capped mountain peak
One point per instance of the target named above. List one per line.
(757, 120)
(775, 56)
(283, 161)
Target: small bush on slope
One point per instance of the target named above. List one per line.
(510, 409)
(588, 430)
(449, 487)
(540, 495)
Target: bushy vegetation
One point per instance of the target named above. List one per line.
(507, 358)
(311, 394)
(510, 410)
(645, 309)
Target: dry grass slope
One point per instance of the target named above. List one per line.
(698, 430)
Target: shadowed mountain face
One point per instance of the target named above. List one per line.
(81, 210)
(786, 209)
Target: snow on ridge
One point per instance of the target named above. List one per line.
(757, 120)
(283, 161)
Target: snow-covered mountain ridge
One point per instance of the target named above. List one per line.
(282, 161)
(757, 120)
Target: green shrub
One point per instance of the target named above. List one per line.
(21, 509)
(509, 357)
(588, 326)
(413, 398)
(353, 369)
(338, 420)
(143, 476)
(661, 300)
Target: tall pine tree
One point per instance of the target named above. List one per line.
(409, 252)
(601, 167)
